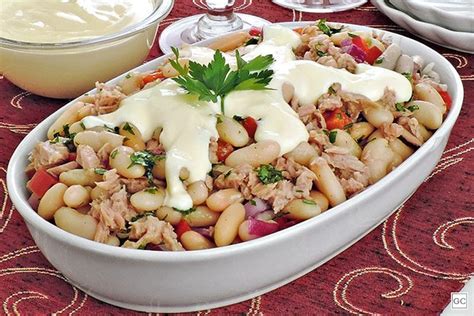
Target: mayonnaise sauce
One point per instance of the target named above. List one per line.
(57, 21)
(188, 124)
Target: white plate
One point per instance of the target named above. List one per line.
(456, 15)
(157, 281)
(461, 41)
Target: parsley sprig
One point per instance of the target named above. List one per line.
(269, 174)
(146, 159)
(216, 80)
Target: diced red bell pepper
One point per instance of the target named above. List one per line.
(446, 98)
(372, 54)
(182, 227)
(359, 42)
(224, 149)
(255, 31)
(41, 182)
(153, 77)
(336, 119)
(72, 157)
(250, 125)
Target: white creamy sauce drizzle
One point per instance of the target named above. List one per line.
(188, 124)
(55, 21)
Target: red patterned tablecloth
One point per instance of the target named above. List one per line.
(408, 265)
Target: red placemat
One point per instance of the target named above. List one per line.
(408, 265)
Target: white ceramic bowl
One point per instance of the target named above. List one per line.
(67, 70)
(188, 281)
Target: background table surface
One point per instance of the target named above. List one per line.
(408, 265)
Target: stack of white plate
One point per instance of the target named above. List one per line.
(449, 23)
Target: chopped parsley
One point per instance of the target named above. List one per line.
(269, 174)
(401, 108)
(238, 118)
(127, 127)
(227, 173)
(252, 41)
(147, 160)
(214, 81)
(321, 53)
(352, 35)
(67, 140)
(413, 108)
(137, 217)
(219, 119)
(348, 126)
(114, 154)
(332, 136)
(408, 75)
(331, 90)
(152, 190)
(326, 29)
(128, 76)
(379, 60)
(100, 171)
(309, 202)
(185, 212)
(83, 126)
(253, 202)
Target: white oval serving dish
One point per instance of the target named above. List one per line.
(188, 281)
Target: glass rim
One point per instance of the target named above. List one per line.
(161, 10)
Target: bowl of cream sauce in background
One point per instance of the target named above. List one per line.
(60, 48)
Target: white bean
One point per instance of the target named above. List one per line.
(361, 130)
(76, 196)
(198, 192)
(232, 131)
(120, 160)
(192, 240)
(69, 116)
(319, 198)
(147, 200)
(84, 177)
(377, 156)
(75, 223)
(302, 154)
(405, 65)
(400, 148)
(428, 114)
(201, 217)
(131, 83)
(51, 201)
(255, 155)
(98, 139)
(426, 134)
(170, 215)
(220, 200)
(229, 42)
(302, 209)
(227, 226)
(343, 139)
(389, 57)
(378, 116)
(327, 181)
(426, 92)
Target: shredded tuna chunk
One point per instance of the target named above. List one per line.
(391, 131)
(346, 61)
(111, 183)
(112, 213)
(388, 99)
(56, 171)
(138, 184)
(411, 124)
(150, 229)
(329, 102)
(213, 151)
(47, 154)
(103, 154)
(352, 173)
(107, 98)
(155, 147)
(279, 194)
(328, 61)
(319, 140)
(87, 157)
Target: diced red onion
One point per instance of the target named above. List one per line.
(261, 228)
(205, 231)
(251, 210)
(346, 43)
(356, 52)
(34, 200)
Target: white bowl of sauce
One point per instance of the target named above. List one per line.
(59, 49)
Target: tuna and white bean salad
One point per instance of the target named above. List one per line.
(224, 144)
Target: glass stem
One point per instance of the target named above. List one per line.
(219, 19)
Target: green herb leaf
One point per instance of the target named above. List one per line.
(408, 75)
(137, 217)
(253, 202)
(152, 190)
(269, 174)
(83, 126)
(332, 136)
(185, 212)
(321, 53)
(400, 107)
(100, 171)
(413, 108)
(326, 29)
(146, 159)
(348, 126)
(309, 202)
(216, 80)
(252, 41)
(352, 35)
(128, 128)
(379, 60)
(113, 154)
